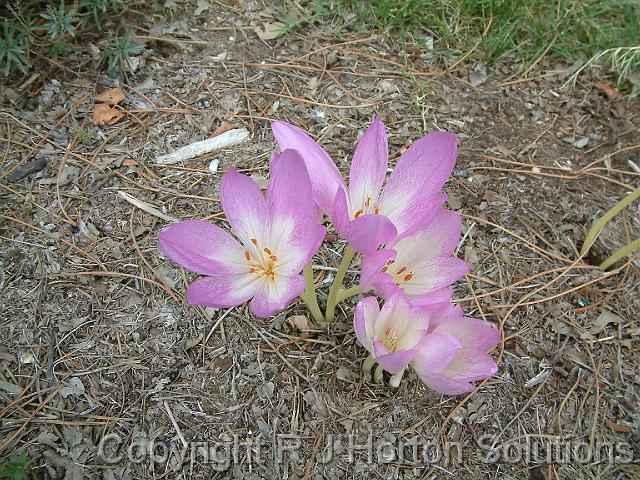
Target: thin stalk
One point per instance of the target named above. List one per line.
(332, 299)
(620, 253)
(309, 296)
(348, 293)
(599, 225)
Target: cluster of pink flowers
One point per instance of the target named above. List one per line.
(405, 235)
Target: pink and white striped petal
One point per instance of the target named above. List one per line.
(202, 248)
(275, 295)
(325, 176)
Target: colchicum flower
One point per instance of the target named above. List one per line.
(447, 350)
(421, 265)
(455, 353)
(393, 335)
(278, 236)
(364, 213)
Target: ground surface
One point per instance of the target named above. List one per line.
(101, 356)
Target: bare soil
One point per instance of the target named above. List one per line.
(101, 355)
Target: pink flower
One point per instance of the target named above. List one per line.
(454, 353)
(393, 335)
(421, 265)
(277, 237)
(364, 213)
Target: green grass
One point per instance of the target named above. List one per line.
(44, 29)
(523, 30)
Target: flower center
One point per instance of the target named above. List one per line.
(399, 273)
(264, 264)
(366, 209)
(390, 339)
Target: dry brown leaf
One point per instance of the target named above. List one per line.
(617, 427)
(301, 322)
(112, 96)
(609, 89)
(269, 31)
(129, 162)
(104, 114)
(224, 127)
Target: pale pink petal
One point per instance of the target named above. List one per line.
(274, 296)
(365, 233)
(325, 177)
(473, 333)
(223, 291)
(295, 243)
(202, 248)
(369, 165)
(444, 313)
(445, 385)
(340, 212)
(439, 239)
(413, 214)
(469, 365)
(432, 275)
(372, 265)
(444, 295)
(244, 206)
(367, 311)
(289, 190)
(294, 235)
(392, 362)
(419, 174)
(437, 350)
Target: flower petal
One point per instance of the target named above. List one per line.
(469, 365)
(435, 274)
(368, 232)
(295, 243)
(223, 291)
(439, 239)
(367, 311)
(445, 385)
(472, 333)
(369, 165)
(392, 362)
(289, 190)
(294, 235)
(202, 247)
(274, 296)
(443, 295)
(244, 206)
(372, 265)
(325, 176)
(419, 174)
(437, 350)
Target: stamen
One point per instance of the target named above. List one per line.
(408, 277)
(247, 255)
(376, 210)
(401, 270)
(368, 202)
(267, 251)
(254, 241)
(274, 258)
(252, 270)
(358, 213)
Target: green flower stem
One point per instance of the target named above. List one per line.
(599, 225)
(620, 253)
(332, 300)
(348, 293)
(309, 295)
